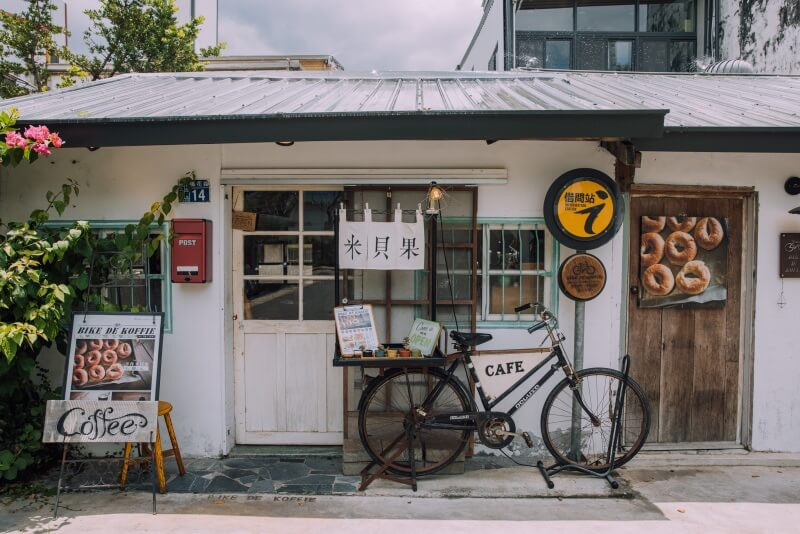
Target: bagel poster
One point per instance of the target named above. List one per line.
(683, 261)
(114, 357)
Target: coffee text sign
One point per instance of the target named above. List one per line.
(100, 421)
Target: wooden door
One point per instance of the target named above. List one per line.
(689, 360)
(286, 390)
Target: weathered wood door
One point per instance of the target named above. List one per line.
(689, 360)
(286, 391)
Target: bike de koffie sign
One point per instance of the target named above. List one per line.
(582, 277)
(69, 421)
(583, 209)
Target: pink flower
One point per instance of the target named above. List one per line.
(55, 140)
(41, 148)
(37, 133)
(13, 139)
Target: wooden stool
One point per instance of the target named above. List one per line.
(164, 408)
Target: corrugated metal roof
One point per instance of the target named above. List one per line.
(692, 100)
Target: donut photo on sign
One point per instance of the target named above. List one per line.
(683, 261)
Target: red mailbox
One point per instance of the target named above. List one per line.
(191, 251)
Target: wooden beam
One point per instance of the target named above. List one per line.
(628, 159)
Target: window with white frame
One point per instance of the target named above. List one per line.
(516, 262)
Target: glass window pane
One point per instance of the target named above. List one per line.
(530, 52)
(557, 55)
(271, 300)
(681, 56)
(319, 208)
(156, 297)
(667, 16)
(277, 210)
(318, 300)
(620, 55)
(653, 56)
(532, 250)
(592, 53)
(270, 255)
(462, 286)
(508, 292)
(319, 255)
(547, 15)
(444, 314)
(604, 16)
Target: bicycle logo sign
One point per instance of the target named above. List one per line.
(583, 209)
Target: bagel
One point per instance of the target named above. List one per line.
(93, 358)
(681, 224)
(97, 373)
(652, 249)
(693, 278)
(79, 361)
(658, 280)
(653, 224)
(124, 350)
(680, 248)
(114, 372)
(109, 357)
(708, 233)
(80, 347)
(110, 344)
(95, 344)
(79, 377)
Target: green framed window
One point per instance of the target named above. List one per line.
(516, 263)
(145, 287)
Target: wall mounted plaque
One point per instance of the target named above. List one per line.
(789, 261)
(582, 277)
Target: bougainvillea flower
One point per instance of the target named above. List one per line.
(13, 139)
(37, 133)
(41, 148)
(55, 140)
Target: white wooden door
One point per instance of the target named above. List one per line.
(287, 392)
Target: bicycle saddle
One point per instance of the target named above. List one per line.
(470, 339)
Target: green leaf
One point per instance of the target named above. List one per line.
(82, 282)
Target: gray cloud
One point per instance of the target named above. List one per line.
(362, 34)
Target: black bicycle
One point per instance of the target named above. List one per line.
(432, 409)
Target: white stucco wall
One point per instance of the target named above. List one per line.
(766, 33)
(120, 183)
(490, 35)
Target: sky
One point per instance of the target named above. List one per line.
(362, 34)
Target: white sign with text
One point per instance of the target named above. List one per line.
(75, 421)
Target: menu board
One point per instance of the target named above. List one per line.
(789, 261)
(355, 327)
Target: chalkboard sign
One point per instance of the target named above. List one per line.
(789, 261)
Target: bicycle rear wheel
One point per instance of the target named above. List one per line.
(569, 433)
(388, 409)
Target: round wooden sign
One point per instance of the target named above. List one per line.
(583, 209)
(582, 276)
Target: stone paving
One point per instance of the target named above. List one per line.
(304, 476)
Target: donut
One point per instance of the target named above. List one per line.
(680, 248)
(80, 347)
(653, 224)
(109, 357)
(652, 249)
(114, 372)
(124, 350)
(110, 344)
(79, 377)
(658, 280)
(93, 358)
(708, 233)
(681, 224)
(79, 361)
(95, 344)
(97, 373)
(693, 278)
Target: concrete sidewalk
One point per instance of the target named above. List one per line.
(704, 499)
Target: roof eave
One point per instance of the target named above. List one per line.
(359, 127)
(721, 139)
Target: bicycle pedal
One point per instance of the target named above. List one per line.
(528, 440)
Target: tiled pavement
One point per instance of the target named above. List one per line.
(310, 475)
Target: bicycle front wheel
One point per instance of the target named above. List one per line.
(387, 413)
(570, 434)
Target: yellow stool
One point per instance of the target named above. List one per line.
(164, 409)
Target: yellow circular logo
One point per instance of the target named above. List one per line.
(585, 209)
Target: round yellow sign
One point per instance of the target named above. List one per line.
(585, 209)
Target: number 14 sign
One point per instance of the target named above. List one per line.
(194, 191)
